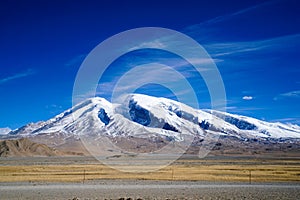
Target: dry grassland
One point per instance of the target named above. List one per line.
(212, 170)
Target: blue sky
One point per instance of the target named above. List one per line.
(255, 45)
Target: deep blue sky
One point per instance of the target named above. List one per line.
(255, 44)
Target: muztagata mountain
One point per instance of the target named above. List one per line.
(143, 118)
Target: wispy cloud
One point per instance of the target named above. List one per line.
(76, 60)
(234, 14)
(28, 72)
(291, 94)
(247, 98)
(271, 44)
(225, 49)
(288, 120)
(105, 88)
(197, 61)
(153, 73)
(207, 34)
(53, 106)
(175, 70)
(54, 109)
(156, 44)
(243, 110)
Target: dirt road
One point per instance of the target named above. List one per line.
(142, 189)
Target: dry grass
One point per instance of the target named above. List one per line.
(216, 170)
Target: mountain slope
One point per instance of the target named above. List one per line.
(257, 127)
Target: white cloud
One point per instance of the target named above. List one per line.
(247, 97)
(232, 15)
(16, 76)
(291, 94)
(156, 44)
(242, 47)
(153, 74)
(198, 61)
(53, 106)
(76, 60)
(291, 120)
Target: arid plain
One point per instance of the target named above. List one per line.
(214, 177)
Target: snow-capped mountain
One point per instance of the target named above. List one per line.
(145, 116)
(4, 131)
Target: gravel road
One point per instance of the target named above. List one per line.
(142, 189)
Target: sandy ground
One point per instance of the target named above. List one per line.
(142, 189)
